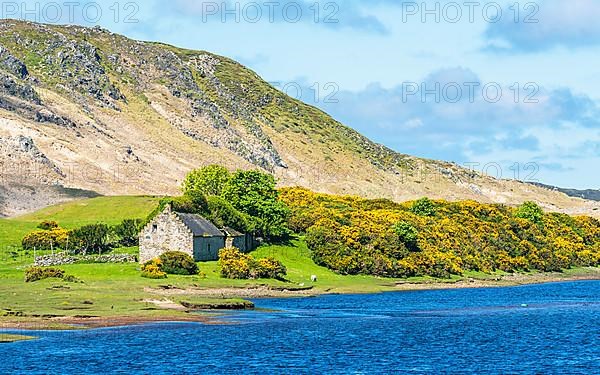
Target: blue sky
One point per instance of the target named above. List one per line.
(488, 84)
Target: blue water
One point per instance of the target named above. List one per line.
(539, 329)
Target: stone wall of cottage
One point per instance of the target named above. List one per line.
(166, 232)
(207, 248)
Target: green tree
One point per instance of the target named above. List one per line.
(254, 193)
(532, 212)
(207, 181)
(197, 200)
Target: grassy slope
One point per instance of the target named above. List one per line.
(109, 210)
(36, 299)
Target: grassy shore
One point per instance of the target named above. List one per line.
(116, 294)
(5, 338)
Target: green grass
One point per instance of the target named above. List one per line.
(6, 338)
(296, 257)
(109, 210)
(118, 289)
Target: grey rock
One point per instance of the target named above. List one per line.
(11, 64)
(10, 86)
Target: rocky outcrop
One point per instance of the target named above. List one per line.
(20, 97)
(84, 71)
(74, 65)
(257, 148)
(11, 64)
(34, 112)
(24, 148)
(9, 86)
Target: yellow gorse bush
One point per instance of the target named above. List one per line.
(236, 265)
(46, 239)
(153, 269)
(352, 235)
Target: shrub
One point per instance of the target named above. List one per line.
(404, 268)
(152, 270)
(588, 258)
(48, 225)
(351, 235)
(46, 239)
(39, 273)
(438, 264)
(321, 236)
(33, 274)
(408, 234)
(178, 263)
(92, 238)
(423, 207)
(236, 265)
(268, 268)
(128, 232)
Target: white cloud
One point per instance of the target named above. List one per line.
(572, 23)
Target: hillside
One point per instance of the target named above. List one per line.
(85, 110)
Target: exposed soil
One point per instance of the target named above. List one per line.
(253, 292)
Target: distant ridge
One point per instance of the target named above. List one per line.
(589, 194)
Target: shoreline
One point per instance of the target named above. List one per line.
(505, 281)
(68, 323)
(174, 314)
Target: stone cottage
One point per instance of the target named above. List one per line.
(188, 233)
